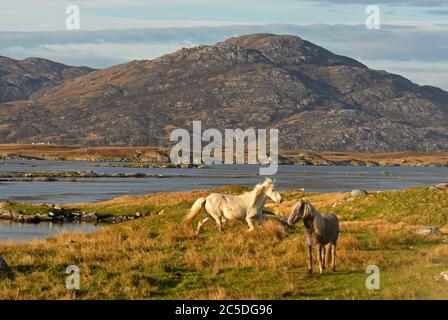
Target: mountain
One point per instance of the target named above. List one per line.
(19, 79)
(318, 100)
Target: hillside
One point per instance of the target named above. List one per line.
(318, 100)
(19, 79)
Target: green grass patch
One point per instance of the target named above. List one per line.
(416, 206)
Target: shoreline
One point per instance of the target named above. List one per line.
(17, 212)
(158, 157)
(87, 212)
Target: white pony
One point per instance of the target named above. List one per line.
(246, 206)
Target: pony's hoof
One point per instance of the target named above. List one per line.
(334, 269)
(310, 271)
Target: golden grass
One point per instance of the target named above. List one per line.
(156, 258)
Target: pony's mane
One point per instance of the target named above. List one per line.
(259, 186)
(258, 189)
(310, 210)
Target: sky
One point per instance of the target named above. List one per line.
(412, 39)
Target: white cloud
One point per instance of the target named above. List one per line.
(422, 73)
(395, 48)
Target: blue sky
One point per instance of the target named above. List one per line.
(44, 15)
(412, 40)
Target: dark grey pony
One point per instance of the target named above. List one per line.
(320, 230)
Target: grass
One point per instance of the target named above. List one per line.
(26, 208)
(155, 258)
(413, 206)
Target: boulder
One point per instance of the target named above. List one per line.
(428, 231)
(358, 193)
(444, 275)
(89, 217)
(441, 186)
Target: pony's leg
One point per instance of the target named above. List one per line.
(260, 218)
(218, 222)
(310, 259)
(200, 224)
(250, 223)
(319, 257)
(328, 254)
(333, 256)
(323, 256)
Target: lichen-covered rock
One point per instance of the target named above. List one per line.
(358, 193)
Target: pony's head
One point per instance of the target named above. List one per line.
(270, 191)
(301, 210)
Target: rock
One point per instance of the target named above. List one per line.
(444, 275)
(108, 220)
(428, 231)
(89, 217)
(43, 217)
(44, 179)
(358, 193)
(4, 204)
(441, 186)
(3, 264)
(4, 215)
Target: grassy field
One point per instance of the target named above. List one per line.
(154, 258)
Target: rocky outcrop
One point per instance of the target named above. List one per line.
(65, 215)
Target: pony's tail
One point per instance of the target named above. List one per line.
(195, 209)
